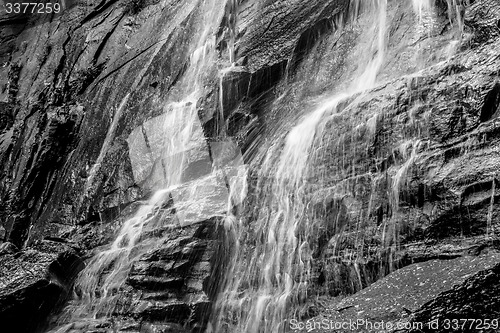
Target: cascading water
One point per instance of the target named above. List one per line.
(172, 141)
(273, 271)
(270, 266)
(421, 7)
(181, 127)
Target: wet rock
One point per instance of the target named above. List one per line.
(35, 281)
(156, 283)
(410, 163)
(94, 53)
(415, 292)
(269, 36)
(163, 328)
(3, 233)
(148, 146)
(174, 283)
(409, 171)
(172, 312)
(6, 116)
(234, 87)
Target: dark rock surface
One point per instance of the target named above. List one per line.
(475, 299)
(167, 290)
(33, 282)
(420, 293)
(416, 160)
(413, 161)
(174, 280)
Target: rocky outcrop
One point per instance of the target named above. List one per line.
(174, 280)
(169, 288)
(413, 161)
(107, 56)
(78, 84)
(34, 282)
(413, 299)
(459, 307)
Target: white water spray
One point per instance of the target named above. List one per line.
(161, 150)
(262, 283)
(421, 8)
(271, 265)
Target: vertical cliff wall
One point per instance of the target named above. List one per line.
(404, 173)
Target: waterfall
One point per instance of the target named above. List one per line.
(270, 245)
(180, 129)
(273, 269)
(421, 8)
(161, 151)
(270, 272)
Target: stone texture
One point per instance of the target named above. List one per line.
(407, 172)
(168, 289)
(35, 282)
(477, 295)
(419, 293)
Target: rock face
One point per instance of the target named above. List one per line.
(406, 173)
(174, 280)
(478, 294)
(168, 288)
(33, 282)
(412, 296)
(416, 161)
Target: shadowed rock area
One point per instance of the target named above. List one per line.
(35, 281)
(403, 190)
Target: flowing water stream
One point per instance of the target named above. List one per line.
(263, 283)
(270, 267)
(271, 270)
(174, 142)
